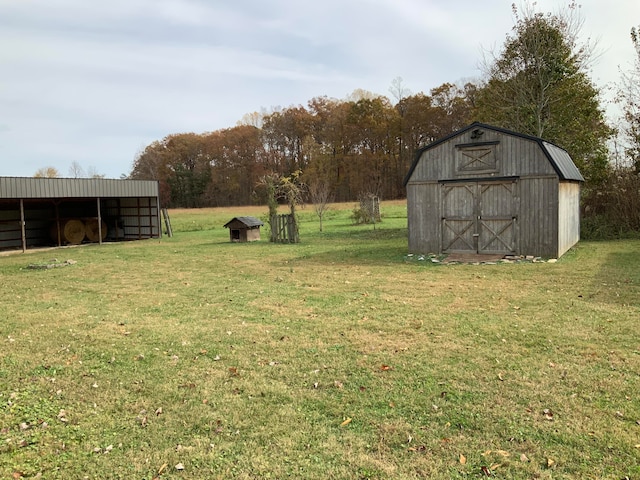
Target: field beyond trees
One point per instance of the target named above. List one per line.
(340, 357)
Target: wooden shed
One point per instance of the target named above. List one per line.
(244, 229)
(488, 190)
(59, 211)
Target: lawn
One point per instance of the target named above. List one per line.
(340, 357)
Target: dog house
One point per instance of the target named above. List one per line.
(244, 229)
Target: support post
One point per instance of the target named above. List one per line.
(99, 222)
(22, 227)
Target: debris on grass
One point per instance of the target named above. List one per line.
(53, 263)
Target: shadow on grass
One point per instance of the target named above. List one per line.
(618, 280)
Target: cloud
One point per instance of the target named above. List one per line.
(95, 82)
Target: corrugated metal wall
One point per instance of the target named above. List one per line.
(29, 187)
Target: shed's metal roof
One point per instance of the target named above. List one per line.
(31, 187)
(562, 162)
(248, 221)
(558, 157)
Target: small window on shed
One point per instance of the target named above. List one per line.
(479, 158)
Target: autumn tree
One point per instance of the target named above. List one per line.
(426, 118)
(181, 163)
(538, 84)
(47, 172)
(371, 134)
(284, 134)
(236, 157)
(329, 132)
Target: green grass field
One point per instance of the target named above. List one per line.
(336, 358)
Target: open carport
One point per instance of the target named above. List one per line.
(38, 212)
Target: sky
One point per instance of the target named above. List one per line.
(93, 83)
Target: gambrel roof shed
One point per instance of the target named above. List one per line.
(485, 189)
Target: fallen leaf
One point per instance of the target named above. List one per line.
(637, 446)
(550, 462)
(495, 466)
(346, 422)
(162, 468)
(159, 411)
(500, 377)
(384, 368)
(233, 371)
(179, 466)
(548, 414)
(486, 471)
(503, 453)
(17, 474)
(524, 458)
(338, 384)
(463, 459)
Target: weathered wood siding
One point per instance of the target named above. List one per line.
(538, 217)
(495, 168)
(568, 216)
(423, 218)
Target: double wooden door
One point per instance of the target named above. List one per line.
(479, 217)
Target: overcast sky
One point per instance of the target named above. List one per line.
(95, 82)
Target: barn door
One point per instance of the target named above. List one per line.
(459, 217)
(497, 217)
(478, 217)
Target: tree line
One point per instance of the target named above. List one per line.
(537, 83)
(364, 144)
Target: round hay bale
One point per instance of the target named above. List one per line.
(92, 231)
(71, 231)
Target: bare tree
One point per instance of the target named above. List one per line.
(321, 195)
(629, 97)
(76, 170)
(92, 172)
(398, 90)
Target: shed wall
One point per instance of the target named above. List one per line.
(538, 217)
(514, 156)
(568, 216)
(546, 210)
(423, 218)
